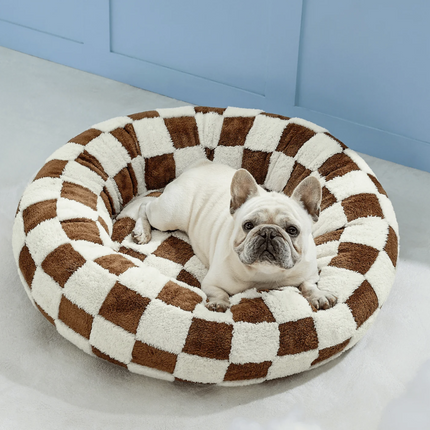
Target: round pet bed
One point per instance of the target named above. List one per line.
(140, 306)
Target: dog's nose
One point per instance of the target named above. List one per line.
(268, 233)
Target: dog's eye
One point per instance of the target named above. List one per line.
(292, 231)
(248, 226)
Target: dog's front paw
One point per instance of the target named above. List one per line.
(322, 299)
(141, 233)
(217, 306)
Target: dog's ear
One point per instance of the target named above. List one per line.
(243, 187)
(308, 194)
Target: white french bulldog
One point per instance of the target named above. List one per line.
(246, 236)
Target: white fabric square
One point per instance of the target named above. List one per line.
(381, 276)
(44, 238)
(254, 343)
(71, 209)
(330, 219)
(230, 155)
(334, 326)
(209, 127)
(147, 281)
(138, 165)
(76, 173)
(149, 371)
(156, 328)
(18, 235)
(196, 268)
(69, 151)
(314, 127)
(112, 189)
(46, 292)
(280, 168)
(327, 250)
(265, 133)
(41, 190)
(112, 124)
(371, 231)
(153, 137)
(186, 156)
(112, 339)
(89, 286)
(235, 111)
(69, 334)
(90, 250)
(287, 304)
(202, 312)
(176, 112)
(388, 211)
(200, 369)
(317, 150)
(287, 365)
(109, 152)
(355, 182)
(167, 267)
(341, 282)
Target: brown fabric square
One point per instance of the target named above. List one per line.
(188, 278)
(115, 263)
(293, 138)
(241, 372)
(86, 137)
(252, 311)
(52, 169)
(362, 205)
(354, 256)
(148, 356)
(363, 303)
(132, 253)
(329, 237)
(147, 114)
(79, 194)
(27, 266)
(297, 175)
(392, 246)
(175, 295)
(106, 357)
(124, 307)
(90, 162)
(257, 163)
(75, 317)
(274, 115)
(61, 263)
(234, 130)
(103, 224)
(204, 109)
(127, 183)
(108, 201)
(337, 165)
(210, 153)
(122, 228)
(159, 171)
(82, 229)
(37, 213)
(377, 184)
(209, 339)
(327, 353)
(297, 336)
(183, 131)
(175, 249)
(328, 199)
(127, 140)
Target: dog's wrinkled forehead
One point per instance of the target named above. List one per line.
(273, 208)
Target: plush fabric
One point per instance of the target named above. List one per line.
(140, 306)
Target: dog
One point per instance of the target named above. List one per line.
(246, 236)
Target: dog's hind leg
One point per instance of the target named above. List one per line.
(142, 230)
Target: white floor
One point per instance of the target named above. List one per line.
(47, 383)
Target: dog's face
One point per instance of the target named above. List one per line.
(272, 230)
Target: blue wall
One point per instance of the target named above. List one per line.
(358, 68)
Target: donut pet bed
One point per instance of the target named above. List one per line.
(140, 306)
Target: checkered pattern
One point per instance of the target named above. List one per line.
(140, 306)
